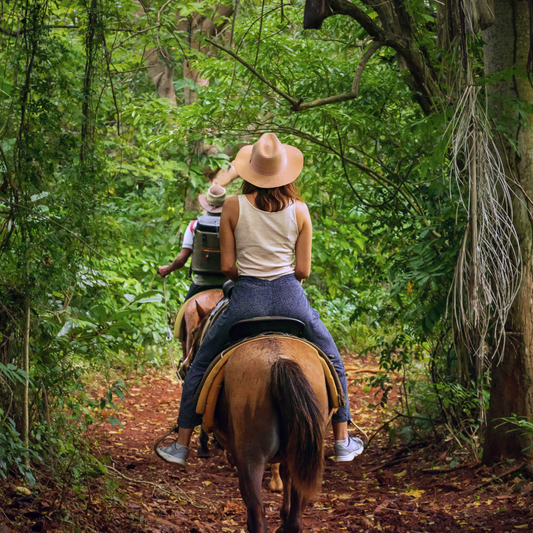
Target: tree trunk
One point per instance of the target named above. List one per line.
(26, 368)
(507, 44)
(160, 69)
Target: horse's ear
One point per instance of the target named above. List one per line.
(200, 311)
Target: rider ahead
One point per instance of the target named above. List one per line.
(204, 278)
(266, 237)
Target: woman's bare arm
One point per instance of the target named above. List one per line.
(304, 243)
(228, 222)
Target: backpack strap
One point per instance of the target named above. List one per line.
(191, 229)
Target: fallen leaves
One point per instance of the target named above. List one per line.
(414, 493)
(366, 523)
(232, 508)
(381, 506)
(345, 496)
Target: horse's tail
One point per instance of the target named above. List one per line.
(301, 425)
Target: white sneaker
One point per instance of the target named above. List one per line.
(346, 452)
(175, 453)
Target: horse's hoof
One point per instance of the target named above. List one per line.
(229, 458)
(275, 487)
(202, 453)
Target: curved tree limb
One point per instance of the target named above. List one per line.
(412, 55)
(287, 97)
(343, 7)
(107, 55)
(35, 213)
(116, 47)
(373, 48)
(358, 196)
(335, 99)
(10, 33)
(156, 485)
(296, 104)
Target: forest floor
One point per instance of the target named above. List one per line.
(388, 488)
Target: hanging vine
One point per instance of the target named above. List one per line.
(489, 267)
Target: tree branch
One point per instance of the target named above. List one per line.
(382, 180)
(156, 485)
(296, 105)
(287, 97)
(337, 98)
(415, 61)
(107, 55)
(343, 7)
(373, 48)
(9, 33)
(116, 47)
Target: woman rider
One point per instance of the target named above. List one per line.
(262, 232)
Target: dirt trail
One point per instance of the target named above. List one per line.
(356, 496)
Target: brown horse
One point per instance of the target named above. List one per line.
(197, 309)
(274, 408)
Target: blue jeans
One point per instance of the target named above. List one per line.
(253, 297)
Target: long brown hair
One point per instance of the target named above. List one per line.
(275, 199)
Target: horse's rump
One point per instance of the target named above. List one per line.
(190, 318)
(276, 404)
(188, 313)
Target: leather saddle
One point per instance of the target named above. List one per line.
(251, 327)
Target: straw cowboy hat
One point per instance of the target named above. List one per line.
(214, 200)
(268, 163)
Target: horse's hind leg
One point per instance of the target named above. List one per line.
(275, 484)
(286, 505)
(250, 480)
(292, 507)
(294, 520)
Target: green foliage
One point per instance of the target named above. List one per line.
(522, 425)
(13, 453)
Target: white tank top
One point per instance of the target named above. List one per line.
(265, 241)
